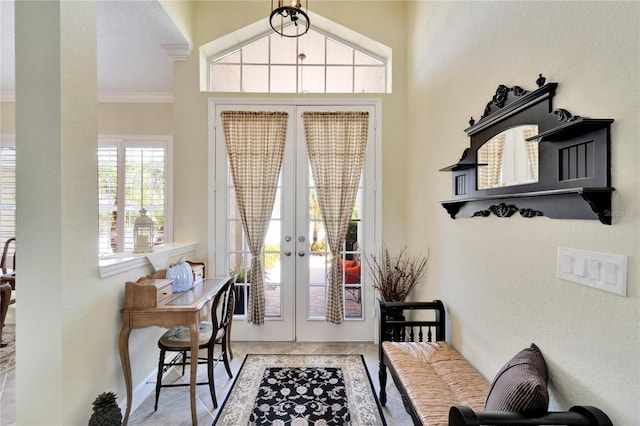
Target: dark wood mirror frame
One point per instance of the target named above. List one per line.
(574, 179)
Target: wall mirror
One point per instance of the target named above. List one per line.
(508, 158)
(526, 157)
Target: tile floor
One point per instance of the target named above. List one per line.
(174, 407)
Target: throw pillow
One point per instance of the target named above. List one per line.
(521, 385)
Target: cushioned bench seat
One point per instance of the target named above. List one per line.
(436, 377)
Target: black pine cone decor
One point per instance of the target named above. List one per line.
(106, 411)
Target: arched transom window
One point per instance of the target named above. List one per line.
(313, 63)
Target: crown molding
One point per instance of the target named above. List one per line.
(177, 52)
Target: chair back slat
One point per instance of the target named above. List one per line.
(222, 307)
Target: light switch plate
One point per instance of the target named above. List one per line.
(607, 272)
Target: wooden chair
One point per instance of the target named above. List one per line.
(8, 275)
(178, 340)
(7, 281)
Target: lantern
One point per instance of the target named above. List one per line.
(143, 233)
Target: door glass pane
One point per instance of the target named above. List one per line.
(236, 238)
(240, 256)
(272, 301)
(317, 301)
(320, 260)
(234, 213)
(353, 301)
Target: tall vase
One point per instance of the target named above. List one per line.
(395, 333)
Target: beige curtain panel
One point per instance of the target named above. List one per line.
(336, 142)
(255, 145)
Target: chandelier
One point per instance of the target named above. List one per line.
(299, 20)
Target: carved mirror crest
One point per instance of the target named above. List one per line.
(526, 157)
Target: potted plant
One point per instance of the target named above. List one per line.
(395, 277)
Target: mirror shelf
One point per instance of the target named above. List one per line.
(573, 162)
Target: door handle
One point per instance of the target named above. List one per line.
(287, 253)
(301, 253)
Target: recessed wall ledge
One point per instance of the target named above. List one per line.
(118, 263)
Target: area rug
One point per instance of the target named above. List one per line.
(8, 353)
(296, 390)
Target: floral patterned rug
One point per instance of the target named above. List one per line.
(302, 390)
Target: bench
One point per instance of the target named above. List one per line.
(438, 386)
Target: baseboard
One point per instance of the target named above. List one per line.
(141, 392)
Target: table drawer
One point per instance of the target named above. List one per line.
(147, 293)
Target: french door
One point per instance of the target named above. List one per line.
(296, 257)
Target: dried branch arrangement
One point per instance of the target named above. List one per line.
(395, 276)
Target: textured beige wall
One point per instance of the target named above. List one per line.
(118, 118)
(498, 276)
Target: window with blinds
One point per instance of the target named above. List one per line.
(132, 174)
(7, 189)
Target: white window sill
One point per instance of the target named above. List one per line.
(117, 263)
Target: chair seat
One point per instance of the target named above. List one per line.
(180, 337)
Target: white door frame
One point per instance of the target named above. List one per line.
(217, 215)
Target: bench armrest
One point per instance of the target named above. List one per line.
(578, 415)
(389, 320)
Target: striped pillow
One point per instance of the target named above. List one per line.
(521, 385)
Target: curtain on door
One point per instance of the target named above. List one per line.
(336, 143)
(255, 145)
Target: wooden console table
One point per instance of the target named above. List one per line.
(186, 309)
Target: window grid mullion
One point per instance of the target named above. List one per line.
(325, 64)
(353, 70)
